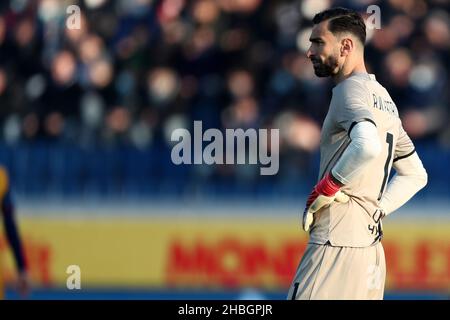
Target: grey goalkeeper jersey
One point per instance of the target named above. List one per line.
(356, 223)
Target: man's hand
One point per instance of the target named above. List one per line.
(323, 194)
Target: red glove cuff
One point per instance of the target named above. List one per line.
(327, 186)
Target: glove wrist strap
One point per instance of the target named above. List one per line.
(327, 186)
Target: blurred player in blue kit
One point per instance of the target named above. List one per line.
(13, 237)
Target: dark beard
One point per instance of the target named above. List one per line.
(325, 69)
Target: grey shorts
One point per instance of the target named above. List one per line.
(327, 272)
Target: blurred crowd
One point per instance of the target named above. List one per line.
(138, 69)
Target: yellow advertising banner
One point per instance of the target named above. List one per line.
(213, 252)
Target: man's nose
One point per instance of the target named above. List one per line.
(309, 53)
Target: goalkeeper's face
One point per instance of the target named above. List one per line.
(324, 51)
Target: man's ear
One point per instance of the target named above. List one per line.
(347, 46)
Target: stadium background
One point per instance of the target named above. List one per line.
(85, 123)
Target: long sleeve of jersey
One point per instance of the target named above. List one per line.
(410, 177)
(364, 146)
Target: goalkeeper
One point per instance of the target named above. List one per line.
(362, 139)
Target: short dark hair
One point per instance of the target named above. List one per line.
(343, 20)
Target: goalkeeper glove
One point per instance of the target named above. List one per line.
(323, 194)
